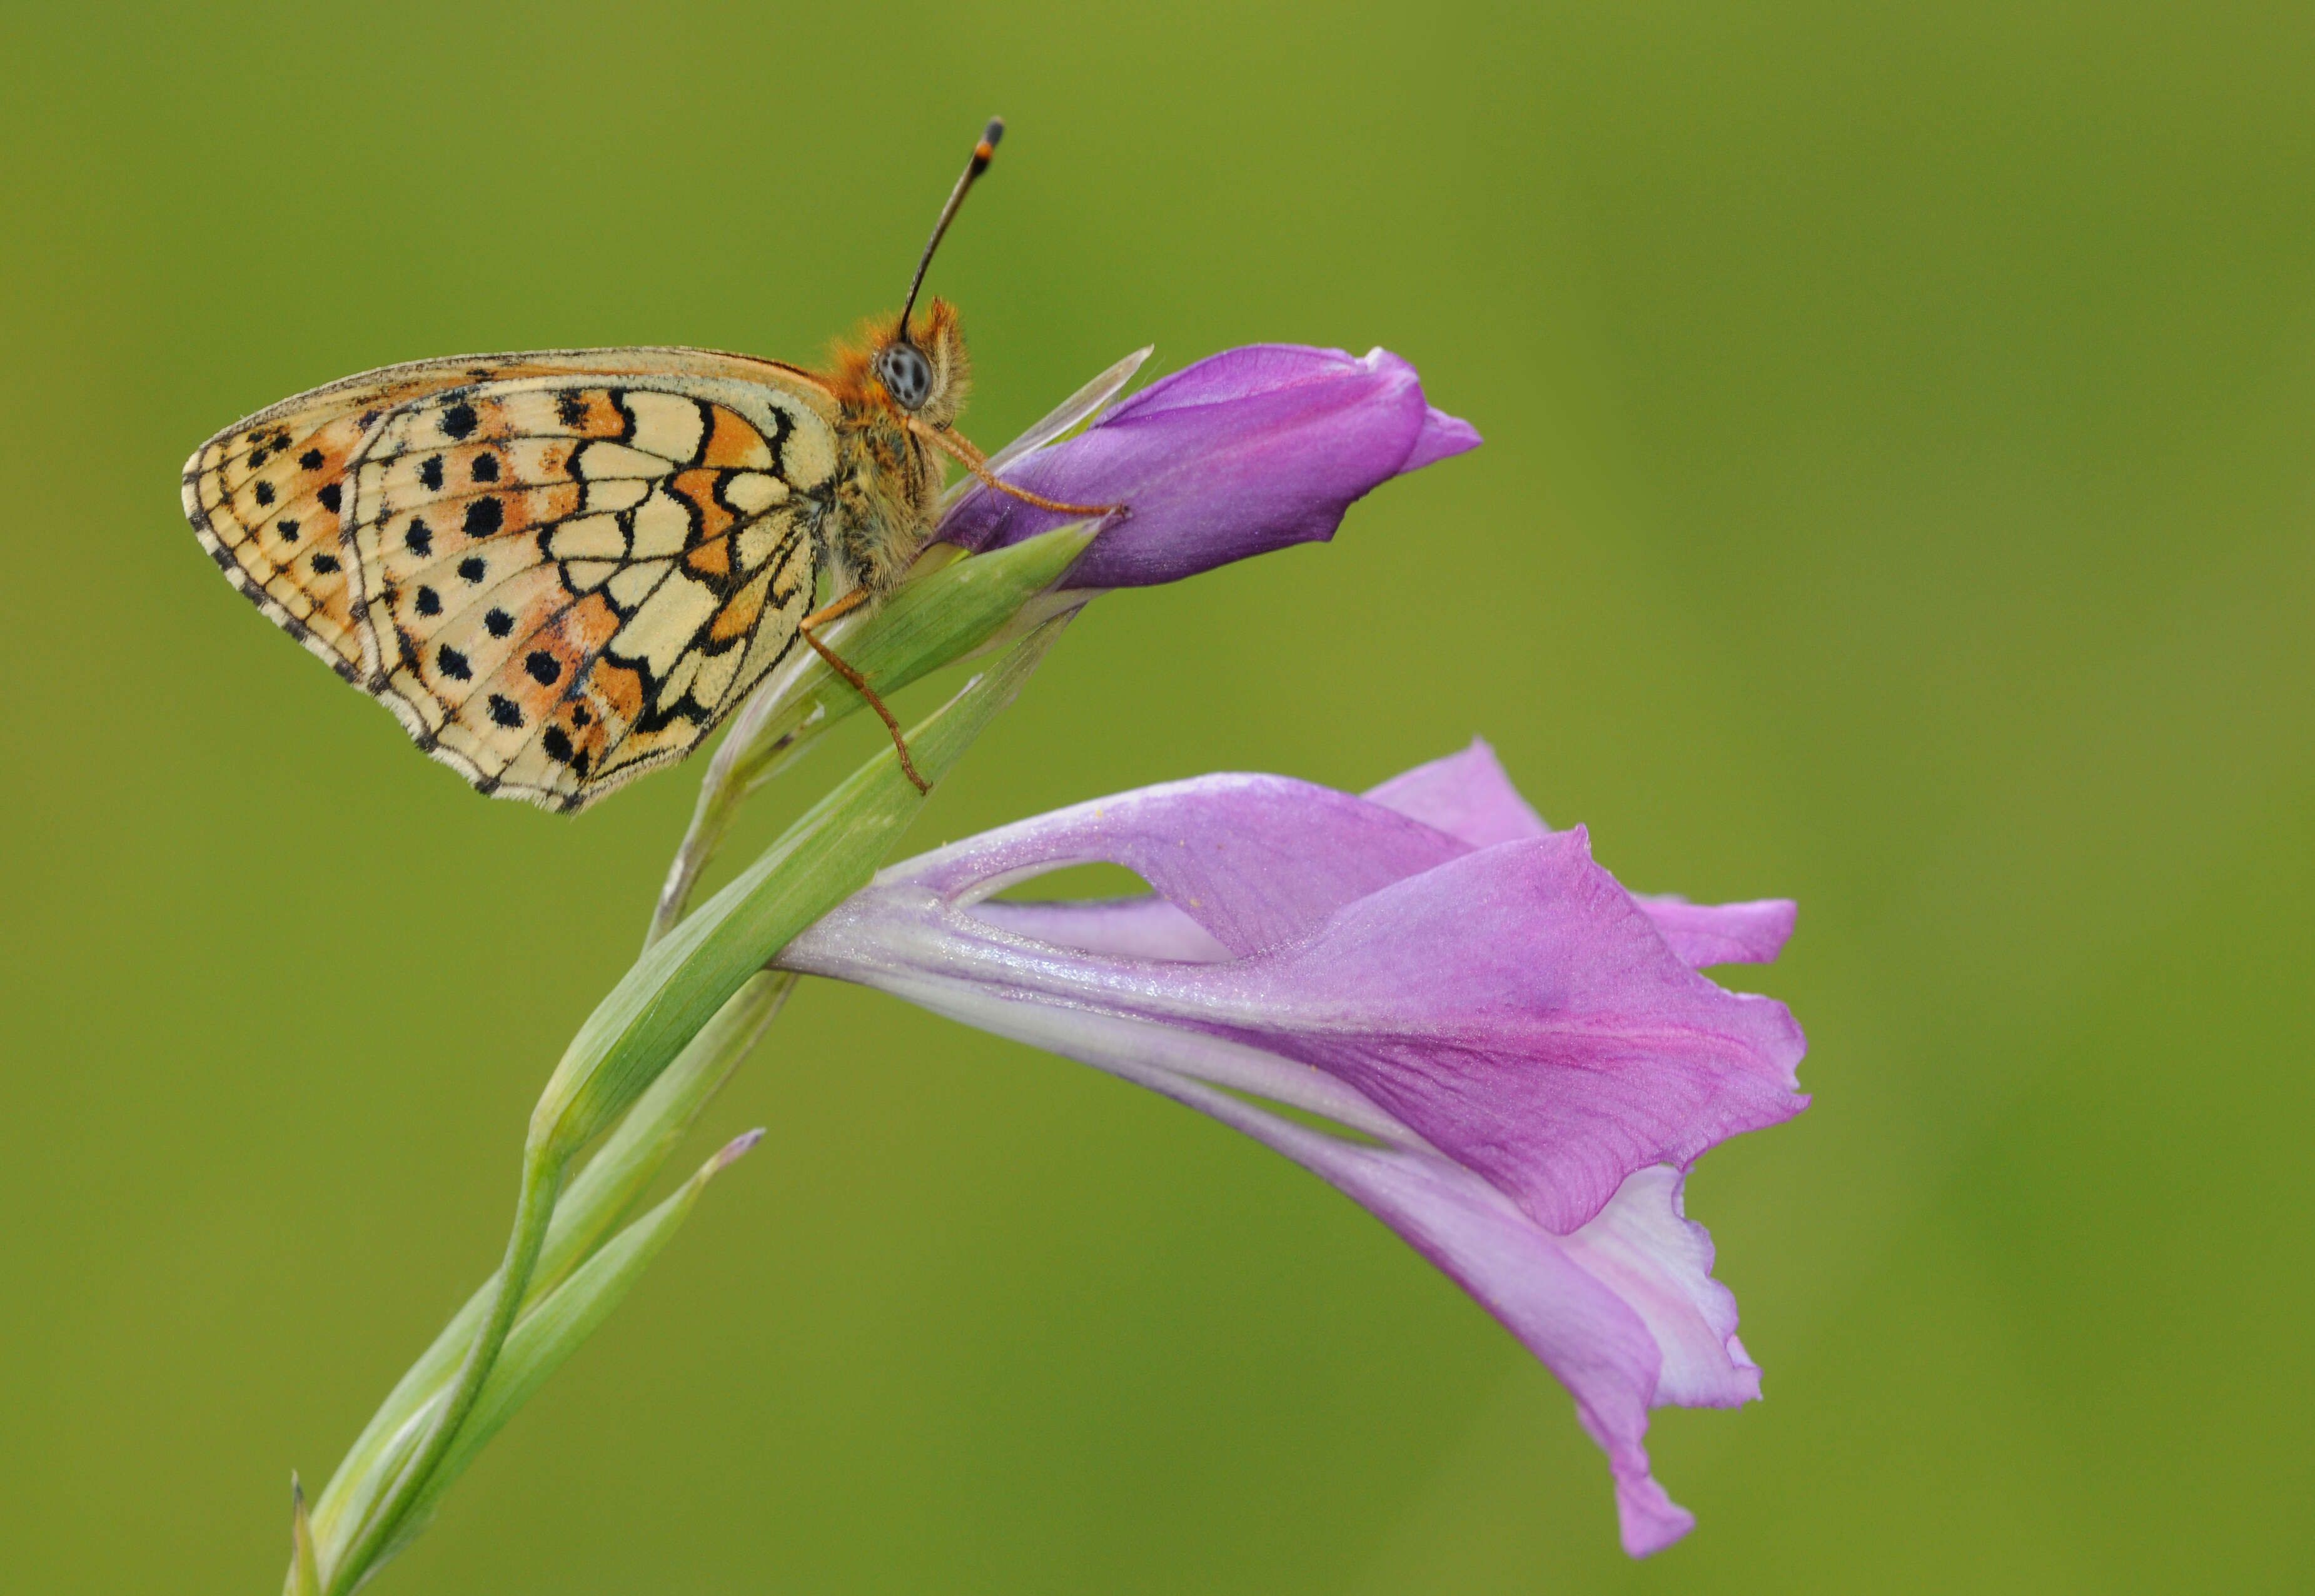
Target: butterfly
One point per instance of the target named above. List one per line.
(562, 568)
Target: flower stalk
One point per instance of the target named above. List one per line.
(667, 1001)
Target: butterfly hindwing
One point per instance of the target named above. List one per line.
(557, 578)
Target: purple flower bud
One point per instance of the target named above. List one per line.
(1525, 1046)
(1245, 452)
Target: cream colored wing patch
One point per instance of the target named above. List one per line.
(557, 579)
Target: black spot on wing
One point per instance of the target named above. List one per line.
(454, 664)
(429, 601)
(485, 468)
(484, 516)
(419, 538)
(498, 623)
(330, 496)
(459, 421)
(544, 669)
(504, 711)
(311, 459)
(430, 474)
(471, 568)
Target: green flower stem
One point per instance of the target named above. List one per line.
(552, 1331)
(589, 1209)
(954, 606)
(374, 1539)
(666, 1000)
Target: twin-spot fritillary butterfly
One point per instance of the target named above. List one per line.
(562, 569)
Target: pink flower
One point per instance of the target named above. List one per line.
(1522, 1050)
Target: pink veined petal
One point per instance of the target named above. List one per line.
(1256, 860)
(1513, 1007)
(1517, 1011)
(1466, 795)
(1124, 928)
(1704, 933)
(1644, 1248)
(1442, 438)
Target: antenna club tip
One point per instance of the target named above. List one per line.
(994, 132)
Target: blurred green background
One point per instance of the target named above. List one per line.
(1897, 496)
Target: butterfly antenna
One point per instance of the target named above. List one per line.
(982, 154)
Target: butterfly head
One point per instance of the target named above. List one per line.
(922, 369)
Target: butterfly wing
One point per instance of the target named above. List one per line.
(264, 497)
(559, 571)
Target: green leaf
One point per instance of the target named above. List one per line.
(305, 1567)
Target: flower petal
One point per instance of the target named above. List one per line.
(1256, 860)
(1517, 1011)
(1442, 438)
(1144, 927)
(1512, 1006)
(1702, 934)
(1467, 795)
(1244, 452)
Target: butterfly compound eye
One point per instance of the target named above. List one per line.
(906, 374)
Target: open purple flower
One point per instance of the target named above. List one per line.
(1519, 1052)
(1244, 452)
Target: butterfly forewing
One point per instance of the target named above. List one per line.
(559, 571)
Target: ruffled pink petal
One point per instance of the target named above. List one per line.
(1467, 795)
(1704, 933)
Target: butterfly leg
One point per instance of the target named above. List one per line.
(972, 459)
(821, 616)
